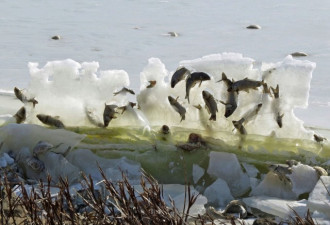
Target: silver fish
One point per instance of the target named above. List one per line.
(51, 121)
(231, 103)
(318, 138)
(20, 116)
(279, 119)
(248, 116)
(124, 90)
(276, 91)
(179, 75)
(193, 79)
(239, 126)
(124, 108)
(109, 114)
(177, 107)
(35, 164)
(226, 80)
(210, 105)
(245, 85)
(19, 94)
(281, 170)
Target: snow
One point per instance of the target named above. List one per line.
(197, 172)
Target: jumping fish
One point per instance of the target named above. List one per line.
(193, 79)
(226, 80)
(239, 126)
(20, 116)
(179, 75)
(124, 108)
(19, 94)
(278, 116)
(318, 138)
(281, 170)
(248, 116)
(109, 114)
(42, 147)
(210, 105)
(152, 83)
(177, 107)
(124, 90)
(245, 85)
(51, 121)
(231, 103)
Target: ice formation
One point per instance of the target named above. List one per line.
(77, 92)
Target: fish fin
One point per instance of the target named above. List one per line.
(208, 110)
(222, 102)
(198, 107)
(177, 98)
(183, 118)
(213, 117)
(200, 83)
(219, 81)
(245, 78)
(246, 90)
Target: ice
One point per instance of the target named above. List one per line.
(218, 193)
(29, 135)
(197, 172)
(320, 218)
(278, 207)
(9, 159)
(88, 162)
(3, 162)
(75, 91)
(251, 170)
(319, 198)
(303, 179)
(226, 166)
(272, 186)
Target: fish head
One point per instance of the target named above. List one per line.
(171, 99)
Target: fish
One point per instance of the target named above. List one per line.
(93, 117)
(276, 91)
(20, 116)
(51, 121)
(165, 129)
(41, 147)
(152, 83)
(210, 105)
(19, 94)
(231, 103)
(193, 79)
(236, 207)
(180, 74)
(239, 126)
(226, 80)
(281, 170)
(318, 138)
(36, 164)
(245, 85)
(266, 89)
(124, 90)
(279, 119)
(109, 114)
(251, 114)
(124, 108)
(177, 107)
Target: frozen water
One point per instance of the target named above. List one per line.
(226, 166)
(278, 207)
(197, 172)
(319, 198)
(218, 193)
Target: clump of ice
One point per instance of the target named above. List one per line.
(218, 193)
(197, 172)
(67, 88)
(319, 198)
(227, 167)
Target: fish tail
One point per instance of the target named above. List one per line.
(213, 117)
(183, 117)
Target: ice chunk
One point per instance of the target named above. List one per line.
(226, 166)
(251, 170)
(218, 193)
(303, 179)
(320, 218)
(3, 162)
(9, 159)
(29, 135)
(278, 207)
(272, 186)
(319, 198)
(198, 172)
